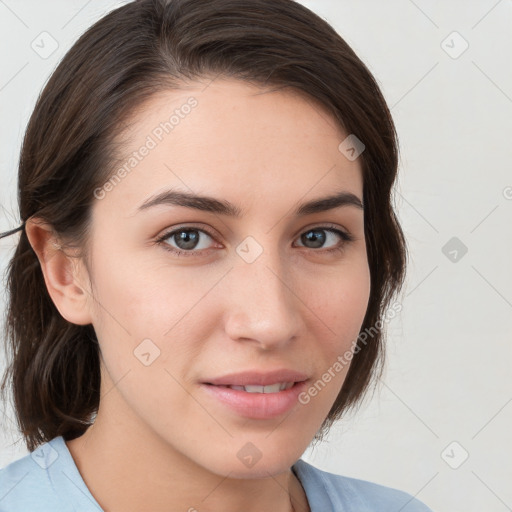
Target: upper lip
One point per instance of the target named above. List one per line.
(258, 378)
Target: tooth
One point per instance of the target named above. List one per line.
(273, 388)
(254, 389)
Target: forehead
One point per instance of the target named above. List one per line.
(234, 140)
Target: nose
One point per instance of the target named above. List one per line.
(262, 305)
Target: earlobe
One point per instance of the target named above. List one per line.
(65, 278)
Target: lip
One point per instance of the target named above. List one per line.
(257, 405)
(258, 378)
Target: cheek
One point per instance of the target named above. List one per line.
(341, 305)
(137, 302)
(148, 331)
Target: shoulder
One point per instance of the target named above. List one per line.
(25, 483)
(45, 480)
(329, 491)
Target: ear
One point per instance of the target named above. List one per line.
(65, 276)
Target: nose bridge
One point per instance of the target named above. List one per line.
(264, 307)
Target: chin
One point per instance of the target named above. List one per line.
(250, 462)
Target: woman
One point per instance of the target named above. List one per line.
(207, 251)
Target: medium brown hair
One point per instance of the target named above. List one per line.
(135, 51)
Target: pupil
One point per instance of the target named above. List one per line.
(187, 239)
(315, 236)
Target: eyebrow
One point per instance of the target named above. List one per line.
(224, 207)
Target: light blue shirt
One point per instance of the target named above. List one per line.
(48, 480)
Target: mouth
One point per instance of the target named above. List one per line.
(255, 401)
(255, 388)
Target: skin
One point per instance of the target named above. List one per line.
(159, 442)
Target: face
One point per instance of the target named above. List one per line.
(187, 297)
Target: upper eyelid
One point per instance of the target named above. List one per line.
(168, 233)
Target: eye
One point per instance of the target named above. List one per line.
(190, 240)
(187, 239)
(316, 237)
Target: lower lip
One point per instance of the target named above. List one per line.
(257, 405)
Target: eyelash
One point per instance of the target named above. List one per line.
(346, 237)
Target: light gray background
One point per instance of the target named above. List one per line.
(447, 392)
